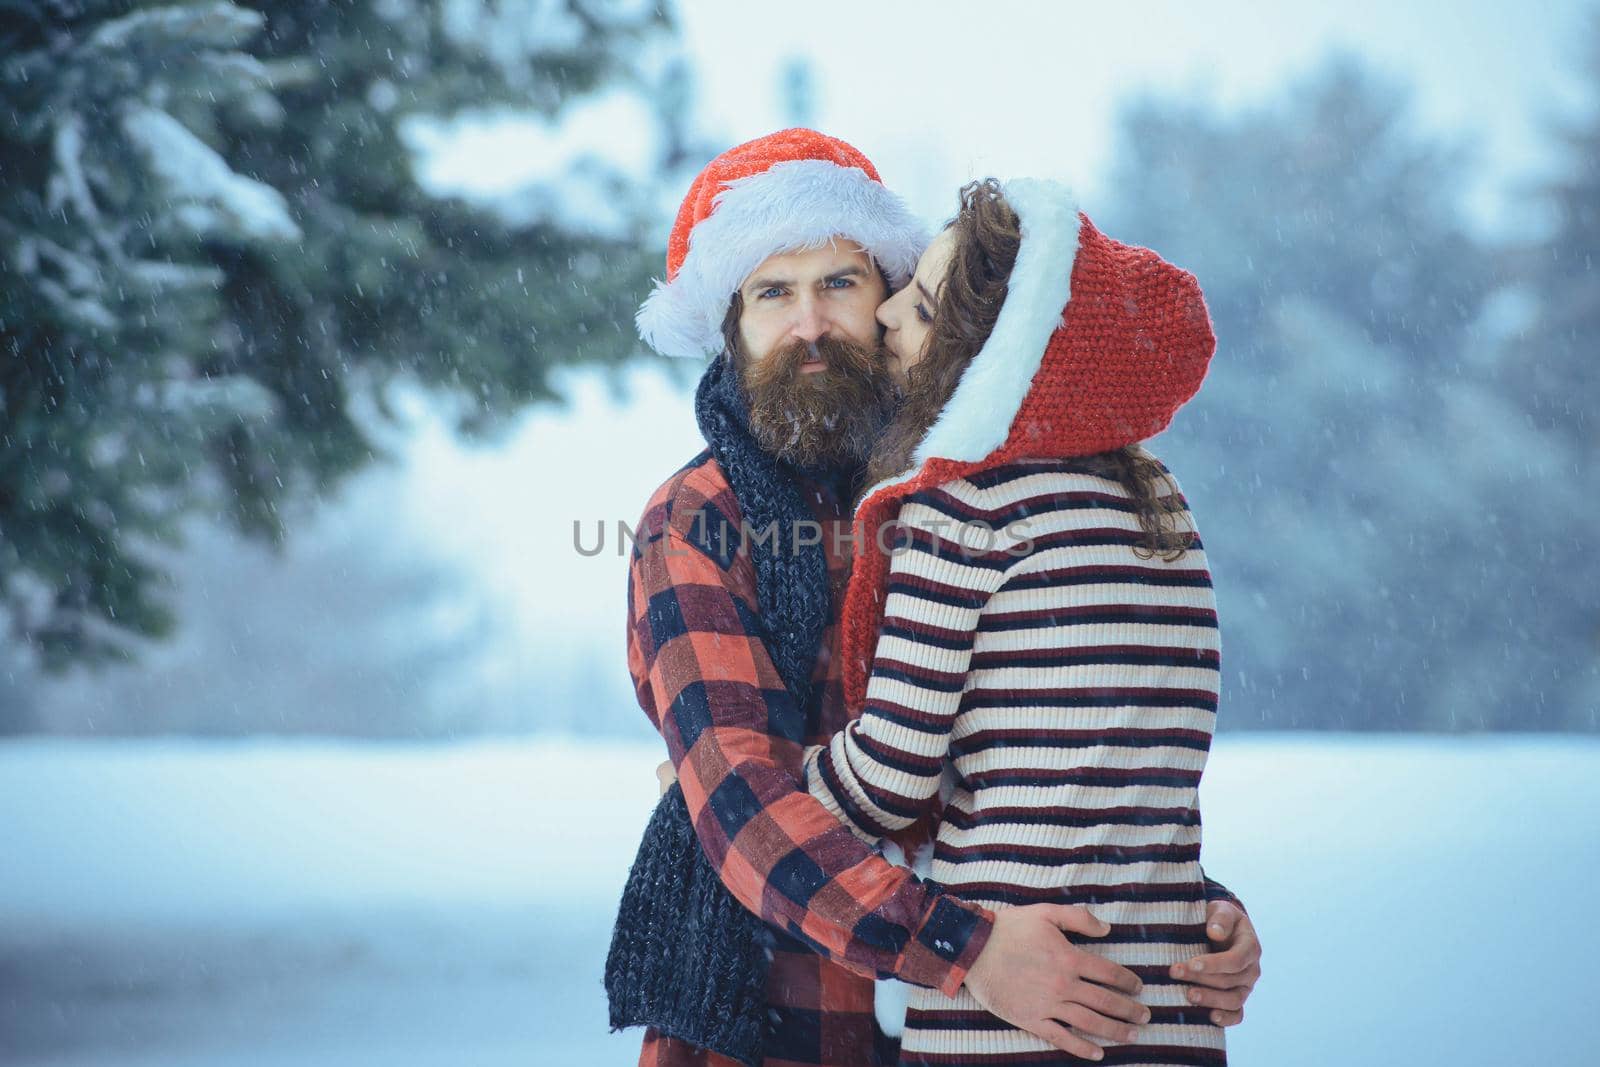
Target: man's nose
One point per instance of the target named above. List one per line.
(809, 321)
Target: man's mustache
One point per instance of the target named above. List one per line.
(838, 355)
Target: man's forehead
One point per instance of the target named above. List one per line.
(838, 254)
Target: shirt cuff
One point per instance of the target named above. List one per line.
(946, 944)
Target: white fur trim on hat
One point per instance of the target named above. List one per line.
(789, 207)
(977, 418)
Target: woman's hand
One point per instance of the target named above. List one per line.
(666, 775)
(1034, 978)
(1224, 978)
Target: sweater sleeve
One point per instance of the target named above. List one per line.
(1215, 890)
(882, 772)
(701, 665)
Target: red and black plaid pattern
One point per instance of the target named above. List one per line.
(697, 653)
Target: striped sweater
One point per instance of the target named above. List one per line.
(1064, 690)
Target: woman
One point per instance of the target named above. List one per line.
(1045, 634)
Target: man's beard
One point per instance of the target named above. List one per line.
(817, 419)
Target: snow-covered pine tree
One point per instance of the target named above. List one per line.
(213, 244)
(111, 209)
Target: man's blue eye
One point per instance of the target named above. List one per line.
(767, 294)
(840, 283)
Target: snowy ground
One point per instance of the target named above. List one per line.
(1422, 901)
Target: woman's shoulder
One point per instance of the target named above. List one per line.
(1025, 482)
(998, 496)
(1099, 468)
(1023, 478)
(1082, 481)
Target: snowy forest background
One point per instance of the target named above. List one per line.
(316, 341)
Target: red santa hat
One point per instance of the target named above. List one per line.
(785, 192)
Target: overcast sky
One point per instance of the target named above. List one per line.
(939, 92)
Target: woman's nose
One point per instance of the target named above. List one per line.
(886, 315)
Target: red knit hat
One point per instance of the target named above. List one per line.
(1097, 346)
(787, 191)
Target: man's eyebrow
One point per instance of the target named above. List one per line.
(847, 272)
(767, 283)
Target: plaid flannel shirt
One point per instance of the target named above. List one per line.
(701, 668)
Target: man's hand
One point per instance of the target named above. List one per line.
(1223, 978)
(1032, 977)
(666, 776)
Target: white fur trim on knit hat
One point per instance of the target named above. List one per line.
(977, 418)
(789, 207)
